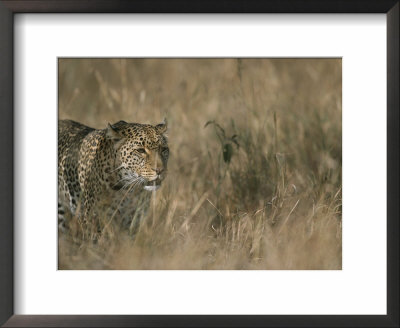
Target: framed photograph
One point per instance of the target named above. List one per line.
(219, 164)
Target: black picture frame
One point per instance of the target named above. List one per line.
(7, 10)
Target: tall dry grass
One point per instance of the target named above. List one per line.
(258, 187)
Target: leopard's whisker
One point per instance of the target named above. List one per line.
(118, 168)
(133, 181)
(121, 180)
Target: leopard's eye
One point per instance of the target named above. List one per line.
(141, 150)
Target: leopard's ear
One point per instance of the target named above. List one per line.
(113, 132)
(162, 127)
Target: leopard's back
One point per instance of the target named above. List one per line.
(70, 137)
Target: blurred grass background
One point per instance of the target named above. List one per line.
(268, 198)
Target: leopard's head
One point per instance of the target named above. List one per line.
(140, 153)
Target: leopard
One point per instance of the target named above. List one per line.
(113, 170)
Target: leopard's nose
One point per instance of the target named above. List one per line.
(159, 170)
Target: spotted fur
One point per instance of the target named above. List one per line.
(115, 166)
